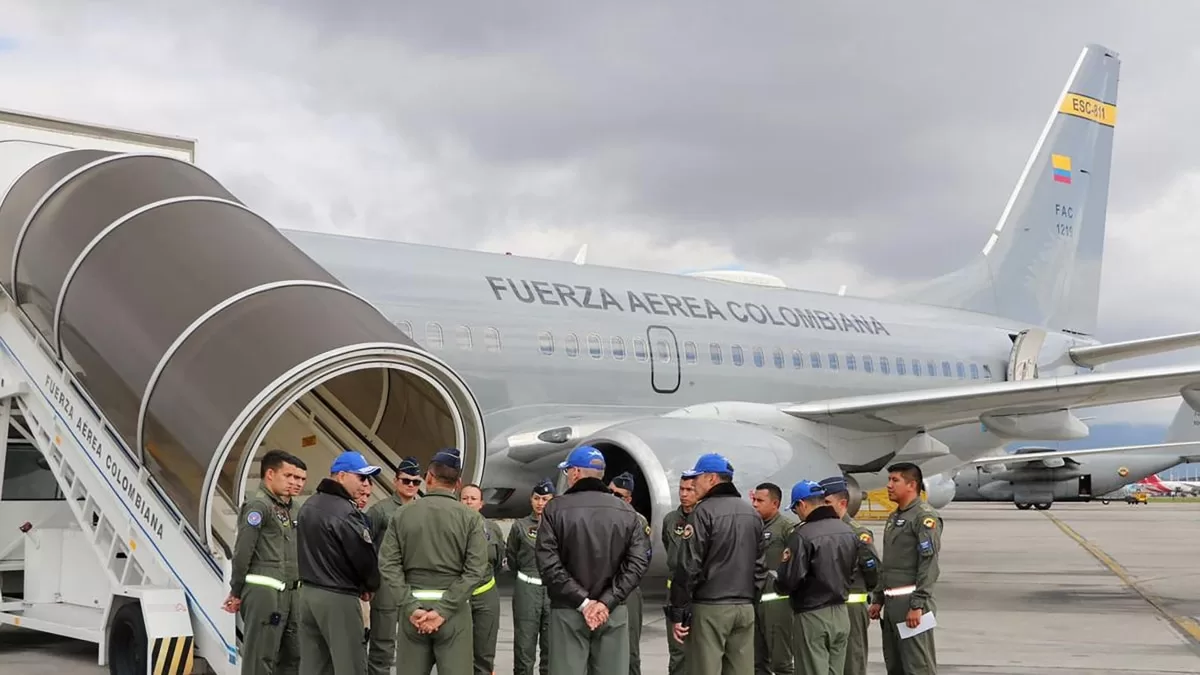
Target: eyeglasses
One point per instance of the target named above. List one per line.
(410, 481)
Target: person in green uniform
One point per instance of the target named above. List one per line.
(381, 636)
(622, 486)
(864, 581)
(434, 554)
(265, 574)
(773, 615)
(672, 534)
(912, 540)
(485, 600)
(530, 604)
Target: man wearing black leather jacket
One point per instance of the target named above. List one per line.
(338, 567)
(591, 553)
(720, 574)
(815, 574)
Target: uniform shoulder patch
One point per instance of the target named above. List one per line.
(254, 518)
(687, 531)
(930, 522)
(787, 555)
(648, 530)
(865, 537)
(366, 535)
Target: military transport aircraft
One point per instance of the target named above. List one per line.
(656, 369)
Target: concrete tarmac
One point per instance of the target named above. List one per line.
(1082, 588)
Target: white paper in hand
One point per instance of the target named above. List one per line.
(927, 622)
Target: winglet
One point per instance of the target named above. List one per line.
(581, 256)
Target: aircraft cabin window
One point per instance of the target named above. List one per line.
(595, 348)
(974, 372)
(932, 370)
(572, 345)
(962, 371)
(916, 368)
(901, 366)
(833, 361)
(406, 328)
(815, 359)
(618, 348)
(946, 369)
(464, 338)
(851, 363)
(797, 359)
(433, 335)
(691, 352)
(759, 359)
(868, 365)
(714, 353)
(639, 349)
(778, 357)
(491, 339)
(546, 343)
(884, 369)
(664, 352)
(738, 357)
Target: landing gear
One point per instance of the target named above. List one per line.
(1040, 507)
(1023, 507)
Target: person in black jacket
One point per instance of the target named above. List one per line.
(338, 568)
(815, 574)
(720, 574)
(591, 553)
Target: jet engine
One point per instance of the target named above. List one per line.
(939, 490)
(657, 450)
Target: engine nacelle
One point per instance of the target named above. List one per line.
(939, 490)
(657, 450)
(856, 496)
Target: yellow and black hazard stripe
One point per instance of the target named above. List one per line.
(172, 655)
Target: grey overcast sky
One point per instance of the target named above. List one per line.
(858, 143)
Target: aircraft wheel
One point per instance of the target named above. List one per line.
(1042, 507)
(1023, 507)
(1104, 502)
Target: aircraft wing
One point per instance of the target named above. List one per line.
(1020, 457)
(966, 404)
(1094, 355)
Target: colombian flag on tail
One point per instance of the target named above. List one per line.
(1062, 168)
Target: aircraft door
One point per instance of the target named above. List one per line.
(1022, 361)
(665, 372)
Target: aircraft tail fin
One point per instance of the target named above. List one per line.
(1041, 264)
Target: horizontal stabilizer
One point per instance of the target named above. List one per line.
(1185, 450)
(1092, 356)
(951, 406)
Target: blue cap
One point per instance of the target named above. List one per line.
(710, 463)
(450, 457)
(805, 489)
(584, 457)
(834, 485)
(409, 466)
(544, 487)
(353, 462)
(625, 481)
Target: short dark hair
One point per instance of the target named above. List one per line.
(471, 485)
(275, 459)
(772, 489)
(910, 472)
(446, 475)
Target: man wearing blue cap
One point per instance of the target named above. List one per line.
(866, 576)
(338, 568)
(912, 541)
(385, 614)
(592, 552)
(815, 574)
(720, 575)
(433, 556)
(531, 605)
(622, 486)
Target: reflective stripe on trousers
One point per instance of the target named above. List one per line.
(900, 590)
(856, 598)
(528, 579)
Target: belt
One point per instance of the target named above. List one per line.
(768, 597)
(491, 583)
(428, 595)
(856, 598)
(528, 579)
(900, 590)
(271, 582)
